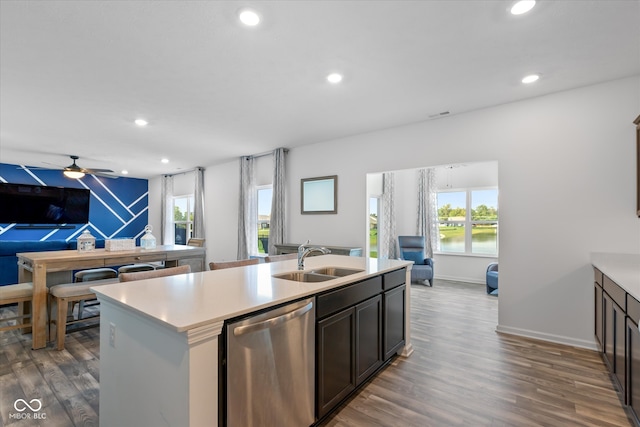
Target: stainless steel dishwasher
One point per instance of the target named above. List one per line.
(270, 368)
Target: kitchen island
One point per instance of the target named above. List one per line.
(159, 338)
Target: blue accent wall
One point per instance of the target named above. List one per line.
(117, 208)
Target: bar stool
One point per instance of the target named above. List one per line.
(95, 274)
(231, 264)
(163, 272)
(284, 257)
(21, 293)
(197, 242)
(132, 268)
(91, 275)
(60, 296)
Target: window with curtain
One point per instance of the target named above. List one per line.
(183, 218)
(265, 194)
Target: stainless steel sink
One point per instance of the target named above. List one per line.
(336, 271)
(304, 276)
(317, 274)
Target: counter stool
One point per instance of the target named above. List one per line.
(60, 296)
(91, 275)
(231, 264)
(21, 293)
(163, 272)
(283, 257)
(132, 268)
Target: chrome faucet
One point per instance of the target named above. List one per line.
(303, 252)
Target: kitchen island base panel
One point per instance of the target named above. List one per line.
(152, 375)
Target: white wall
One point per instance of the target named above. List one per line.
(567, 188)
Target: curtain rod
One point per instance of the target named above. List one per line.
(183, 172)
(266, 153)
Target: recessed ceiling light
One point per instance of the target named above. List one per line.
(141, 122)
(165, 160)
(125, 172)
(531, 78)
(249, 17)
(334, 78)
(522, 6)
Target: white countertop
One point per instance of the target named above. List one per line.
(192, 300)
(624, 269)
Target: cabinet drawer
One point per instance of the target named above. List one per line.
(134, 259)
(615, 292)
(394, 278)
(337, 300)
(597, 276)
(633, 309)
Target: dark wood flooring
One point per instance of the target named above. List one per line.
(462, 373)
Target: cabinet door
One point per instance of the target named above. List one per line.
(633, 368)
(598, 315)
(614, 338)
(368, 338)
(336, 376)
(608, 330)
(619, 320)
(393, 323)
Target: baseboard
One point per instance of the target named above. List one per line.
(461, 279)
(558, 339)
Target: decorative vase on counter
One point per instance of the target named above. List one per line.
(148, 241)
(86, 242)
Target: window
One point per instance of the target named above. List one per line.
(264, 215)
(469, 221)
(373, 226)
(183, 218)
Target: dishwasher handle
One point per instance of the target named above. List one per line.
(274, 321)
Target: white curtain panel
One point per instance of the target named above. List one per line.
(198, 205)
(248, 210)
(388, 246)
(428, 210)
(167, 234)
(277, 232)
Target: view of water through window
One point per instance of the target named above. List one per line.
(455, 221)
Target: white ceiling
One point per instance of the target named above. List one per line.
(75, 74)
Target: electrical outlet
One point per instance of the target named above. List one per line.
(112, 334)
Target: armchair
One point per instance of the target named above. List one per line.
(412, 249)
(492, 278)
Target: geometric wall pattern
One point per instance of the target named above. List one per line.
(117, 207)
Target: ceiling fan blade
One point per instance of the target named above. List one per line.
(88, 170)
(104, 175)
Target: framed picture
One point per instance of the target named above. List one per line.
(319, 195)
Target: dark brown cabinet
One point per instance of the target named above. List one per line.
(597, 299)
(358, 328)
(335, 360)
(394, 318)
(633, 357)
(613, 325)
(368, 338)
(617, 314)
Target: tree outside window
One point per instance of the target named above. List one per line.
(468, 221)
(264, 216)
(183, 218)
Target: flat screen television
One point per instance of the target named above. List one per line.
(40, 204)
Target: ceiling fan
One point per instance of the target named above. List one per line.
(74, 171)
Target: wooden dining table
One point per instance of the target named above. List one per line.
(37, 266)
